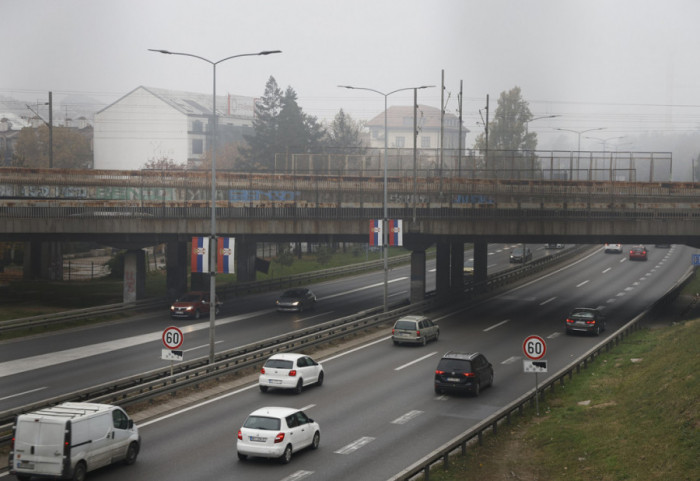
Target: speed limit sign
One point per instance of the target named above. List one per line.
(534, 347)
(172, 337)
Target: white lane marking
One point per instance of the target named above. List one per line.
(354, 446)
(582, 284)
(406, 417)
(415, 361)
(496, 325)
(23, 393)
(511, 360)
(363, 288)
(547, 301)
(606, 270)
(18, 366)
(554, 335)
(298, 475)
(307, 407)
(383, 339)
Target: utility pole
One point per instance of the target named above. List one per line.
(442, 119)
(486, 152)
(459, 150)
(49, 124)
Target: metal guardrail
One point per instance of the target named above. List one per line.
(476, 433)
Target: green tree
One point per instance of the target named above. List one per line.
(71, 149)
(510, 149)
(260, 152)
(344, 135)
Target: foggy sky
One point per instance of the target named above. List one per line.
(627, 66)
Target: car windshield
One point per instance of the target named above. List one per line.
(293, 293)
(518, 251)
(190, 298)
(409, 325)
(262, 422)
(454, 365)
(279, 363)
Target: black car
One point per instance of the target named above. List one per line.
(296, 299)
(463, 372)
(585, 319)
(520, 255)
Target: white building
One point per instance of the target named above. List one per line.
(150, 124)
(400, 128)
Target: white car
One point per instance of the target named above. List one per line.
(277, 432)
(613, 248)
(290, 371)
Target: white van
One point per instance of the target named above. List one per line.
(70, 439)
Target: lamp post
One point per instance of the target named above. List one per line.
(385, 226)
(604, 142)
(578, 149)
(212, 240)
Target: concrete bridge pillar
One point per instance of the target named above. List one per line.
(480, 265)
(245, 259)
(417, 293)
(449, 280)
(176, 269)
(43, 260)
(134, 275)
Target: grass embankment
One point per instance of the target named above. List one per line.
(632, 415)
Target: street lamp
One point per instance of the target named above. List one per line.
(527, 124)
(604, 141)
(578, 149)
(385, 226)
(212, 240)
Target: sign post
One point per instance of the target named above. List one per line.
(172, 340)
(535, 348)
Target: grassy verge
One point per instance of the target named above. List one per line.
(633, 415)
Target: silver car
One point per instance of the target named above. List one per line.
(414, 329)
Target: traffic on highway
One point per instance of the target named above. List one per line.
(377, 409)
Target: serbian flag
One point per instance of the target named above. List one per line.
(224, 255)
(200, 254)
(395, 232)
(375, 232)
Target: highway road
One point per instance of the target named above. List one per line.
(47, 365)
(377, 409)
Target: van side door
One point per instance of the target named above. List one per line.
(122, 432)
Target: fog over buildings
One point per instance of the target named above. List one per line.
(628, 67)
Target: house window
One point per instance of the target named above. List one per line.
(197, 146)
(197, 126)
(425, 141)
(400, 142)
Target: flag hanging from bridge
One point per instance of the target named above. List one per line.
(395, 232)
(224, 255)
(200, 254)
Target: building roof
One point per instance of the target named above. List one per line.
(12, 121)
(200, 105)
(402, 116)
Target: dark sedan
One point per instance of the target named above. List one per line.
(638, 253)
(296, 300)
(585, 319)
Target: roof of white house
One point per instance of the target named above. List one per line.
(12, 121)
(192, 103)
(402, 116)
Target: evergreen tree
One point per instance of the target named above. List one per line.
(260, 153)
(344, 135)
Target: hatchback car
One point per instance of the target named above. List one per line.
(277, 432)
(192, 306)
(585, 319)
(463, 372)
(612, 248)
(297, 299)
(520, 255)
(414, 329)
(638, 253)
(290, 371)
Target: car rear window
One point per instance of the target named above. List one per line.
(262, 422)
(455, 365)
(279, 363)
(586, 314)
(408, 325)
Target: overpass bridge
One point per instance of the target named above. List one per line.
(135, 209)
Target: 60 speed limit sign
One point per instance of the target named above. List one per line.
(534, 347)
(172, 337)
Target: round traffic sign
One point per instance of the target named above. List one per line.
(534, 347)
(172, 337)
